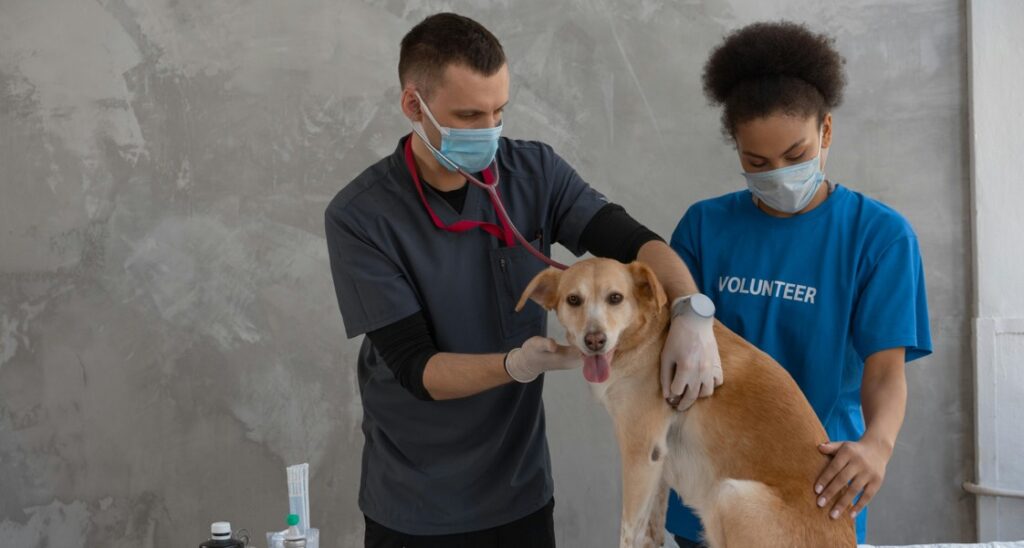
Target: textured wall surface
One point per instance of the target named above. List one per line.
(997, 77)
(169, 336)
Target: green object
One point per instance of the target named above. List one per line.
(293, 520)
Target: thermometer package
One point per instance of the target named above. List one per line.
(298, 504)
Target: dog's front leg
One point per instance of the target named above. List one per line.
(643, 460)
(656, 519)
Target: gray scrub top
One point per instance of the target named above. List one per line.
(443, 467)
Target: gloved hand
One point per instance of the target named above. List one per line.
(690, 364)
(540, 354)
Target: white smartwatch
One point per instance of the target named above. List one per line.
(699, 303)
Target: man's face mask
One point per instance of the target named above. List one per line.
(470, 149)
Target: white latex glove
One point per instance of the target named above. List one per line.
(690, 364)
(537, 355)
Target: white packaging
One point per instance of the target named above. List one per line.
(298, 493)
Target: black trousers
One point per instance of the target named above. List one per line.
(536, 530)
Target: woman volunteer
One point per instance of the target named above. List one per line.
(826, 280)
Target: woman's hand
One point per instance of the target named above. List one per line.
(856, 467)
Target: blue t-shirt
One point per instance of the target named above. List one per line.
(819, 292)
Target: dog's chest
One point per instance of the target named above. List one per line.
(600, 391)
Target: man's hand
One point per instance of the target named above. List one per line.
(856, 467)
(540, 354)
(690, 364)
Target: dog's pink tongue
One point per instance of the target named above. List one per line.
(595, 368)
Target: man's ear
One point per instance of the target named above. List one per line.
(647, 285)
(543, 289)
(410, 104)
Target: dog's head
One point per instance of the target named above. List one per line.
(604, 306)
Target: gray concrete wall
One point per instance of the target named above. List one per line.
(996, 76)
(169, 338)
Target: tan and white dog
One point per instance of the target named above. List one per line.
(745, 458)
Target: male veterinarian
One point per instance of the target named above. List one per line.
(450, 376)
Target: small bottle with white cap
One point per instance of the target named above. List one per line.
(220, 537)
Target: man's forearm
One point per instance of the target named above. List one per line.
(449, 376)
(883, 395)
(669, 268)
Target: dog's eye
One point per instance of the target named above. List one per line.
(615, 298)
(574, 300)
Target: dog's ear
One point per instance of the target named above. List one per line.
(543, 289)
(647, 285)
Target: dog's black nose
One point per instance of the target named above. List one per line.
(595, 341)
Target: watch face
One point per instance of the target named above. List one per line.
(702, 305)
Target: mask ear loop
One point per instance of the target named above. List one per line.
(823, 154)
(418, 128)
(426, 110)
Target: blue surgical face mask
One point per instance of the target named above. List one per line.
(470, 149)
(788, 189)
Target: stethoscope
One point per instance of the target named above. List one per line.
(490, 186)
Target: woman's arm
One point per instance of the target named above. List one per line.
(860, 466)
(883, 395)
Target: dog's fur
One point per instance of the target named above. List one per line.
(745, 458)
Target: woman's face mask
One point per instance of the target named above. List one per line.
(790, 188)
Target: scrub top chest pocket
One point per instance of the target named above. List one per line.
(513, 268)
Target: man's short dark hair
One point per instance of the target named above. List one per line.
(444, 39)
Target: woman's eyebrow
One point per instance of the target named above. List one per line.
(796, 144)
(788, 150)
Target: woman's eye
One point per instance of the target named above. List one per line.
(615, 298)
(795, 159)
(574, 300)
(752, 164)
